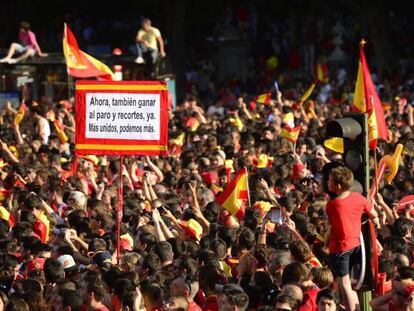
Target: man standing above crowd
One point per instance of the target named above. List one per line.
(148, 39)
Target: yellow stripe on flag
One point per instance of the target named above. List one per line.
(359, 93)
(307, 93)
(291, 134)
(235, 194)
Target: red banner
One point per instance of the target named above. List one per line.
(121, 118)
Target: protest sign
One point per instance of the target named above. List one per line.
(121, 117)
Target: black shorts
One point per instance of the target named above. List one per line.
(341, 263)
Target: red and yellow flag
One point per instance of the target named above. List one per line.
(20, 114)
(366, 100)
(7, 216)
(78, 63)
(291, 134)
(304, 97)
(322, 72)
(60, 131)
(263, 98)
(234, 197)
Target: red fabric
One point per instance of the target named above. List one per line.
(383, 285)
(297, 168)
(211, 304)
(192, 306)
(309, 300)
(88, 69)
(372, 100)
(344, 216)
(41, 230)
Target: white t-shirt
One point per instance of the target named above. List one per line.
(43, 123)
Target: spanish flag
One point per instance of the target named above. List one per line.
(7, 216)
(322, 72)
(366, 100)
(4, 194)
(78, 63)
(291, 134)
(20, 114)
(60, 131)
(42, 228)
(304, 97)
(263, 98)
(234, 197)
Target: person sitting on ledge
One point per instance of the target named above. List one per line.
(27, 46)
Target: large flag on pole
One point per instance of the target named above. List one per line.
(78, 63)
(366, 100)
(234, 197)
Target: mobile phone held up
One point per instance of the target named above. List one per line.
(275, 216)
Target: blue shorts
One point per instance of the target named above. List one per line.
(20, 48)
(342, 263)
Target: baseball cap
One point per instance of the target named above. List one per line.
(67, 262)
(78, 197)
(102, 258)
(297, 168)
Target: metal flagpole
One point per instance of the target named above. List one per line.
(119, 210)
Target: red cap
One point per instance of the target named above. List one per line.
(210, 178)
(297, 168)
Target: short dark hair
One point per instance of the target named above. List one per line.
(401, 226)
(396, 244)
(97, 287)
(328, 293)
(151, 290)
(164, 251)
(53, 270)
(97, 244)
(72, 299)
(295, 273)
(300, 250)
(247, 238)
(342, 176)
(25, 25)
(292, 302)
(236, 297)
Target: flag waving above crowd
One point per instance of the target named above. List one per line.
(80, 64)
(366, 100)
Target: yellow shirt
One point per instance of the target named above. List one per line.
(150, 37)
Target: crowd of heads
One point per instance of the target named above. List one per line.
(179, 249)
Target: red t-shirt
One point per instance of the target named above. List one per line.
(211, 304)
(192, 306)
(309, 299)
(345, 219)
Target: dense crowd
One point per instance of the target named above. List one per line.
(181, 250)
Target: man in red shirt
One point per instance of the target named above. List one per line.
(344, 215)
(95, 293)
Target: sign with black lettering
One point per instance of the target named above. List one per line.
(121, 117)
